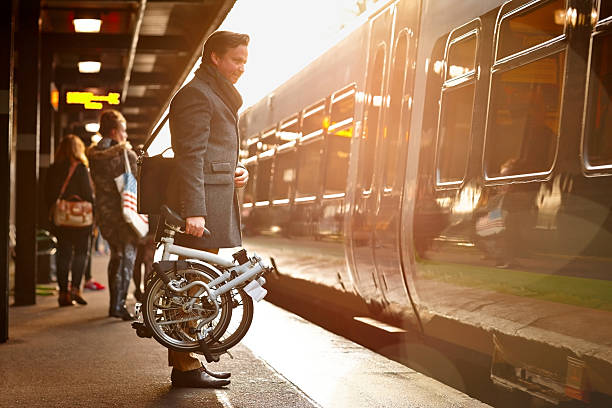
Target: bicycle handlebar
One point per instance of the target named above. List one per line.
(172, 218)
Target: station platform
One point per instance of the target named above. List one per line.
(79, 357)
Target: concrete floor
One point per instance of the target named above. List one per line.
(79, 357)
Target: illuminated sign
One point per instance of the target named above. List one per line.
(91, 101)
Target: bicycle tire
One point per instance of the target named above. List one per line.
(161, 304)
(219, 341)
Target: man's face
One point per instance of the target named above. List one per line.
(231, 64)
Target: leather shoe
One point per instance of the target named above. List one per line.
(197, 378)
(224, 375)
(123, 314)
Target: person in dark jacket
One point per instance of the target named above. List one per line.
(107, 160)
(204, 135)
(72, 242)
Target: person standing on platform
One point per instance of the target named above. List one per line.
(68, 176)
(107, 160)
(204, 136)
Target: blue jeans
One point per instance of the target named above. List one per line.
(120, 267)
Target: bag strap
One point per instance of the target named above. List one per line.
(128, 168)
(73, 167)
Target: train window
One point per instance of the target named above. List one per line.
(523, 120)
(313, 119)
(249, 189)
(454, 133)
(457, 102)
(393, 140)
(605, 9)
(343, 107)
(530, 26)
(252, 146)
(284, 174)
(262, 184)
(289, 130)
(367, 146)
(309, 170)
(598, 135)
(461, 57)
(339, 141)
(268, 140)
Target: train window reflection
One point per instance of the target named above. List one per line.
(313, 119)
(262, 188)
(309, 168)
(367, 147)
(527, 29)
(599, 114)
(284, 174)
(605, 9)
(249, 189)
(454, 133)
(268, 140)
(343, 107)
(393, 140)
(289, 130)
(339, 141)
(523, 119)
(461, 57)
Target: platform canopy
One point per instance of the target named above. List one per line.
(144, 49)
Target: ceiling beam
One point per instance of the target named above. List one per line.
(133, 47)
(90, 42)
(143, 101)
(105, 76)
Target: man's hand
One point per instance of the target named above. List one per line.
(195, 226)
(241, 176)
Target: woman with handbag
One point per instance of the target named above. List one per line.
(69, 197)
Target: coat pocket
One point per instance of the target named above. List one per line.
(219, 173)
(221, 167)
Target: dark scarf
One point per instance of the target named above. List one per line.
(221, 85)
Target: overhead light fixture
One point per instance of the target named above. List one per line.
(89, 67)
(87, 25)
(92, 127)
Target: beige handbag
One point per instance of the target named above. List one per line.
(72, 211)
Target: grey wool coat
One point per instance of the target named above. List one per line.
(204, 136)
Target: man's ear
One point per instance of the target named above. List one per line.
(214, 58)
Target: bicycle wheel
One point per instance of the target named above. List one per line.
(238, 323)
(174, 327)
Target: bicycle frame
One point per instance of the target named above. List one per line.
(244, 272)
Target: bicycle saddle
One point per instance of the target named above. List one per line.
(175, 220)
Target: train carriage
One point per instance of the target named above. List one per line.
(450, 163)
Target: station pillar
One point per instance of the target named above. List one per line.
(27, 80)
(6, 118)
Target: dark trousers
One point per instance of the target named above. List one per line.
(120, 267)
(72, 250)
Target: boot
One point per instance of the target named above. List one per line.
(76, 296)
(65, 299)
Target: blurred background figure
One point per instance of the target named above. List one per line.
(108, 161)
(69, 177)
(145, 252)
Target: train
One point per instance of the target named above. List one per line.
(450, 163)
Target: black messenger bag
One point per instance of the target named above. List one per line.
(154, 174)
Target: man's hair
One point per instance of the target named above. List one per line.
(220, 41)
(110, 119)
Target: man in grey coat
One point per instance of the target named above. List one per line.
(204, 135)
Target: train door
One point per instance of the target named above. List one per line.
(391, 160)
(364, 205)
